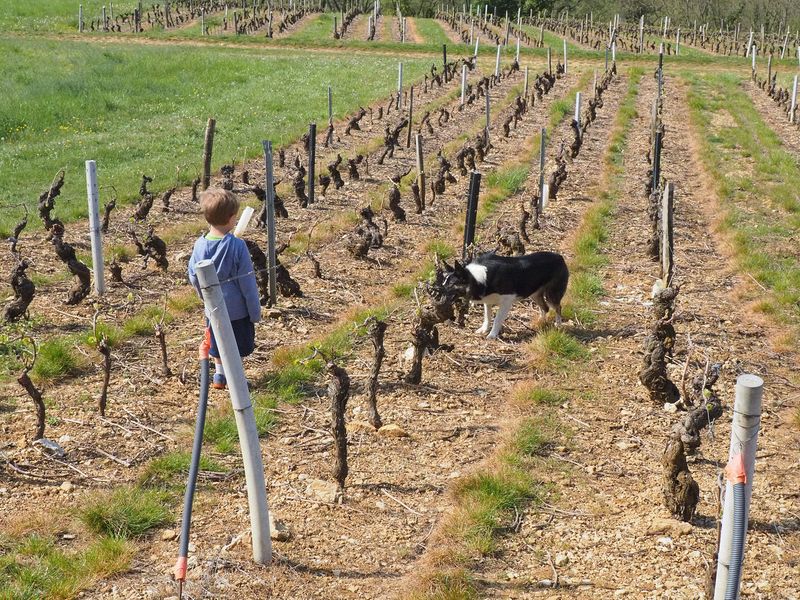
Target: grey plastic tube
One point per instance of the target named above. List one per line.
(194, 465)
(737, 543)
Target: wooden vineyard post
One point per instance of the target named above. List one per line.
(769, 72)
(202, 22)
(549, 61)
(105, 20)
(667, 244)
(660, 69)
(330, 106)
(656, 160)
(420, 169)
(80, 18)
(543, 144)
(477, 45)
(335, 31)
(208, 147)
(242, 409)
(312, 159)
(516, 56)
(472, 211)
(606, 60)
(94, 227)
(444, 60)
(487, 115)
(793, 107)
(270, 223)
(565, 57)
(410, 115)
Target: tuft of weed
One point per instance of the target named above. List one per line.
(33, 566)
(56, 358)
(557, 348)
(171, 469)
(220, 428)
(143, 321)
(127, 512)
(526, 395)
(450, 584)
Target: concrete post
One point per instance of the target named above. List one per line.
(420, 167)
(463, 83)
(497, 62)
(565, 58)
(542, 147)
(80, 18)
(525, 93)
(578, 113)
(744, 441)
(312, 159)
(217, 314)
(400, 85)
(793, 107)
(94, 227)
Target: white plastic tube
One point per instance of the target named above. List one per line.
(744, 442)
(243, 412)
(244, 221)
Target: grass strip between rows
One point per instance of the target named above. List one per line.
(756, 179)
(487, 501)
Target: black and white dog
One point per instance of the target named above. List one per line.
(493, 280)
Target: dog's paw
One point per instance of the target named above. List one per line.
(492, 336)
(481, 330)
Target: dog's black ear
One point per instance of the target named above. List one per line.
(458, 266)
(447, 267)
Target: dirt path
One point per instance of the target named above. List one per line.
(775, 117)
(610, 487)
(412, 35)
(357, 28)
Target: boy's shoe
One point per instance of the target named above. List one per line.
(219, 382)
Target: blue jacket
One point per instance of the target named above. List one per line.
(232, 261)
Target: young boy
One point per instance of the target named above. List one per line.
(235, 270)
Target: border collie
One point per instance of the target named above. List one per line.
(493, 280)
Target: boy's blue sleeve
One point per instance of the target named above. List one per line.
(193, 274)
(246, 279)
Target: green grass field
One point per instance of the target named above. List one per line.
(431, 32)
(142, 109)
(319, 28)
(55, 15)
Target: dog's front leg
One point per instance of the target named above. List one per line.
(485, 327)
(502, 313)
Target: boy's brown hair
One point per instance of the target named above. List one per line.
(218, 206)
